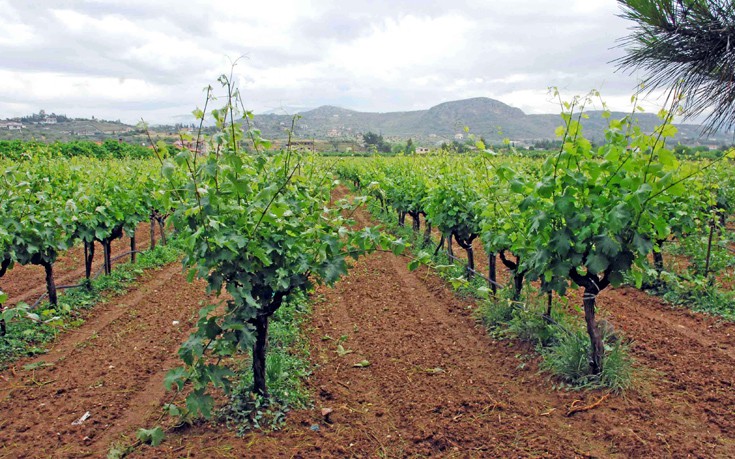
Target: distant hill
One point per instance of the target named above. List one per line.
(489, 118)
(485, 117)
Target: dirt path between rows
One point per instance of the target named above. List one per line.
(112, 367)
(437, 384)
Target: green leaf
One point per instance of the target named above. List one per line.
(172, 410)
(219, 376)
(167, 169)
(200, 402)
(333, 269)
(192, 349)
(152, 437)
(175, 377)
(414, 264)
(597, 263)
(642, 244)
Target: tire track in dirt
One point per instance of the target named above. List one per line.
(113, 367)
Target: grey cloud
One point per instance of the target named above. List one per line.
(547, 43)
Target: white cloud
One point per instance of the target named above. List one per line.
(151, 59)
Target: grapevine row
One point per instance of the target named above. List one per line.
(586, 217)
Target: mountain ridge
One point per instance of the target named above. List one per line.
(484, 116)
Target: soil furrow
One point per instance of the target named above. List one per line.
(112, 368)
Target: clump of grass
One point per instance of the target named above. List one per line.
(568, 361)
(287, 366)
(495, 314)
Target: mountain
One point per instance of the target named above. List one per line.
(484, 117)
(445, 122)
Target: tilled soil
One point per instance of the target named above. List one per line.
(437, 384)
(112, 367)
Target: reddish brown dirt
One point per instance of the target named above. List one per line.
(28, 283)
(437, 386)
(111, 367)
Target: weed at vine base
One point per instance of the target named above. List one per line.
(287, 366)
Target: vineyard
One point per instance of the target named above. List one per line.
(601, 277)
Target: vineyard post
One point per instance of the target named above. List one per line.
(132, 248)
(709, 246)
(492, 275)
(153, 232)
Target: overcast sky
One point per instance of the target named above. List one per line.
(150, 59)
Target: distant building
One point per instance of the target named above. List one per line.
(190, 145)
(422, 150)
(458, 136)
(49, 120)
(13, 125)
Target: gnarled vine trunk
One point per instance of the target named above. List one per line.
(658, 256)
(153, 232)
(401, 218)
(415, 217)
(4, 265)
(132, 249)
(50, 284)
(492, 274)
(260, 347)
(162, 227)
(427, 231)
(592, 285)
(88, 258)
(259, 353)
(518, 274)
(466, 244)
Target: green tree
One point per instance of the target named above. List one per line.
(410, 147)
(376, 141)
(686, 44)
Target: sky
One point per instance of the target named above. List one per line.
(151, 59)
